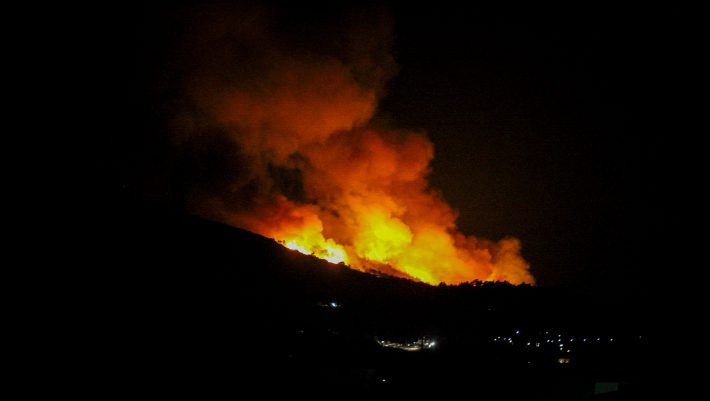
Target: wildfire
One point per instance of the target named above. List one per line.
(413, 246)
(285, 147)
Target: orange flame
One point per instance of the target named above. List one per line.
(429, 254)
(375, 212)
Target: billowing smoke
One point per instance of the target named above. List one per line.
(276, 113)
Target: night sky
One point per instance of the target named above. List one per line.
(538, 120)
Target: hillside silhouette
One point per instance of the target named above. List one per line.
(204, 305)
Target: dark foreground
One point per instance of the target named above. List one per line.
(205, 308)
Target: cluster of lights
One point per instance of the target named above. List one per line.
(558, 341)
(418, 345)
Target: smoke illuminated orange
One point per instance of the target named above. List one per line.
(375, 212)
(305, 165)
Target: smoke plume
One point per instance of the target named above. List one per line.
(275, 115)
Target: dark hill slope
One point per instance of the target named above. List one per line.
(200, 302)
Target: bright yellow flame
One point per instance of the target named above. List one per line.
(327, 250)
(294, 246)
(382, 237)
(334, 255)
(382, 234)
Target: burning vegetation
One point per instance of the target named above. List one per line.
(279, 125)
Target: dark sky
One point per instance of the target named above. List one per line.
(539, 121)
